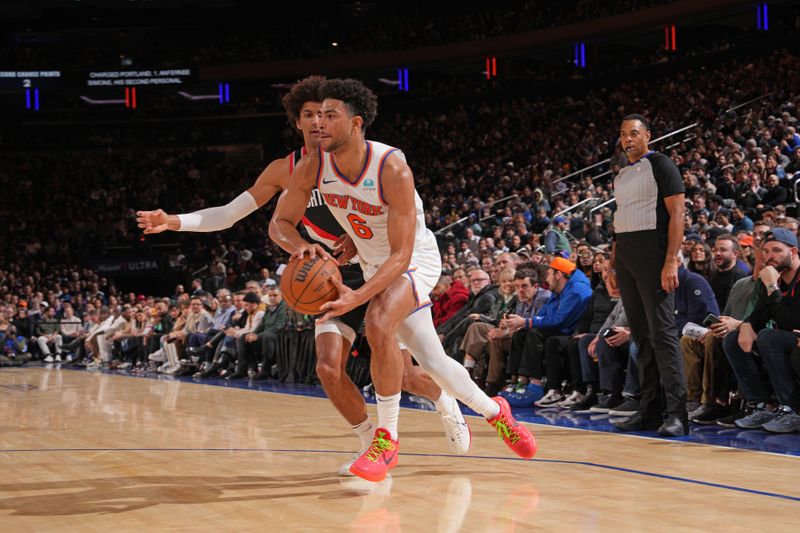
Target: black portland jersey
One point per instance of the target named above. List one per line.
(318, 220)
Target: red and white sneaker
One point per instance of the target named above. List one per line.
(516, 436)
(380, 457)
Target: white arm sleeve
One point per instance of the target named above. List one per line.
(219, 218)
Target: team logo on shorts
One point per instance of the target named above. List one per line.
(369, 183)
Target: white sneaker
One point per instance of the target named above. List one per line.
(163, 368)
(574, 398)
(58, 358)
(344, 470)
(124, 365)
(158, 356)
(48, 359)
(550, 399)
(172, 370)
(456, 428)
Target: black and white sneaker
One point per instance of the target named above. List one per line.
(589, 399)
(550, 399)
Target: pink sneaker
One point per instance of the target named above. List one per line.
(380, 457)
(516, 436)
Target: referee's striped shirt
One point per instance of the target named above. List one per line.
(640, 189)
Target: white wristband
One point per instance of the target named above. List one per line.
(219, 218)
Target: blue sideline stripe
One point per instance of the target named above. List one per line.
(482, 457)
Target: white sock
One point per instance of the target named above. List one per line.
(442, 403)
(364, 431)
(417, 332)
(469, 363)
(388, 412)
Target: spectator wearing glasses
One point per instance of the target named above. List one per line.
(482, 297)
(487, 326)
(529, 301)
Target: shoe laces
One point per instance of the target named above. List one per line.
(378, 446)
(506, 431)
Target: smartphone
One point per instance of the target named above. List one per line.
(711, 319)
(609, 333)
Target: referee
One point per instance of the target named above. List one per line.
(644, 263)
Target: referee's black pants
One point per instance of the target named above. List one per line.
(651, 313)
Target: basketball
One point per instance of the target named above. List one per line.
(305, 284)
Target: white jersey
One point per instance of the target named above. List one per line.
(359, 208)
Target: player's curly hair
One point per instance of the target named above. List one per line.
(358, 98)
(305, 90)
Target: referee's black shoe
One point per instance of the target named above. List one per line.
(636, 422)
(674, 426)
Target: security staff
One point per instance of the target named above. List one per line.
(648, 227)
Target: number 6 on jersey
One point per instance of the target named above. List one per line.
(359, 226)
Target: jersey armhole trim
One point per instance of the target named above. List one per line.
(380, 174)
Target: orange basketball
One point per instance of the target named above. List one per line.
(305, 284)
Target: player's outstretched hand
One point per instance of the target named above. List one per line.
(312, 251)
(344, 248)
(346, 301)
(152, 221)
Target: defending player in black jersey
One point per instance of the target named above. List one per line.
(334, 338)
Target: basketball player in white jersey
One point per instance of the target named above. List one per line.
(333, 340)
(369, 188)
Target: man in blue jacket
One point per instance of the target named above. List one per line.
(559, 316)
(694, 299)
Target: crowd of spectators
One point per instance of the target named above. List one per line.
(77, 317)
(464, 158)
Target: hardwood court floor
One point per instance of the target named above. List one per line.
(83, 451)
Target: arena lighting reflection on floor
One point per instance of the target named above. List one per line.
(714, 435)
